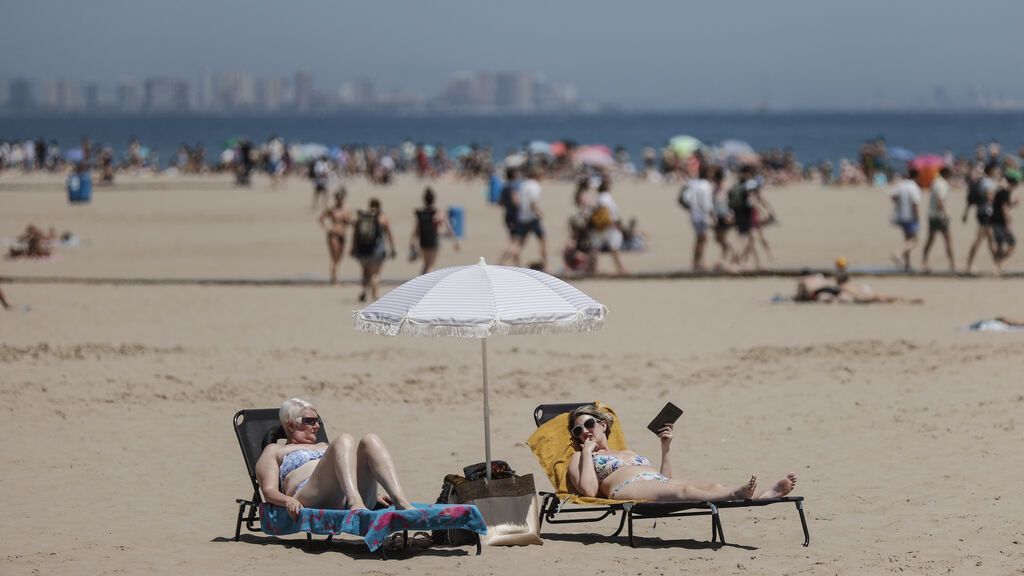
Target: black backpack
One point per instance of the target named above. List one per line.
(738, 197)
(367, 232)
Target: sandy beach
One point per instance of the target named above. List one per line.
(905, 429)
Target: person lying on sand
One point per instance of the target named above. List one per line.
(339, 475)
(594, 470)
(1017, 322)
(34, 243)
(818, 288)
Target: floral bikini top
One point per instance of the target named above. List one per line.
(605, 464)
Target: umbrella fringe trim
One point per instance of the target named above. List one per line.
(580, 323)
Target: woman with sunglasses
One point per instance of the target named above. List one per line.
(597, 471)
(340, 475)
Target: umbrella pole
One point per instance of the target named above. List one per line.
(487, 411)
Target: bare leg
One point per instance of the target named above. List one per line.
(367, 274)
(676, 490)
(429, 258)
(375, 280)
(698, 252)
(947, 236)
(335, 248)
(333, 481)
(781, 488)
(375, 466)
(543, 252)
(3, 301)
(928, 248)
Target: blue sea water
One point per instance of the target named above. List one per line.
(812, 136)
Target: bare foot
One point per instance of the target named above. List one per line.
(781, 488)
(897, 259)
(745, 492)
(403, 505)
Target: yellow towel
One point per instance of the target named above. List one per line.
(552, 446)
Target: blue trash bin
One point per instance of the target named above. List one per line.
(494, 190)
(457, 217)
(79, 187)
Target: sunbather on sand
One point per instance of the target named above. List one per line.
(594, 470)
(34, 243)
(338, 475)
(818, 288)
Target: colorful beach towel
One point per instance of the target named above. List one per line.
(373, 526)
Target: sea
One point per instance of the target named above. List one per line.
(812, 136)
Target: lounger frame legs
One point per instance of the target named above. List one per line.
(550, 511)
(803, 522)
(633, 512)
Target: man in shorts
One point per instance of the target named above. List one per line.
(1004, 241)
(528, 220)
(906, 199)
(938, 217)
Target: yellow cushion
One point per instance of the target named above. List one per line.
(552, 445)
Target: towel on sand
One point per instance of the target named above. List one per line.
(373, 526)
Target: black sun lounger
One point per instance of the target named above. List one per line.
(255, 429)
(558, 511)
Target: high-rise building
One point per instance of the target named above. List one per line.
(270, 94)
(205, 93)
(304, 91)
(363, 93)
(485, 92)
(514, 91)
(166, 95)
(51, 95)
(20, 97)
(69, 95)
(92, 96)
(129, 97)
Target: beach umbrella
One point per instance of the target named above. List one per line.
(558, 149)
(595, 155)
(74, 155)
(900, 154)
(460, 151)
(515, 160)
(927, 166)
(684, 145)
(539, 147)
(480, 301)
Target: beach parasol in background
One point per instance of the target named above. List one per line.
(927, 166)
(900, 154)
(480, 301)
(558, 149)
(594, 155)
(74, 155)
(684, 145)
(459, 151)
(736, 152)
(539, 147)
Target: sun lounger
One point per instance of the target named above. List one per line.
(259, 427)
(551, 445)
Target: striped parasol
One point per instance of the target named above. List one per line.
(479, 301)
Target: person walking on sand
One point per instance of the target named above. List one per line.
(906, 199)
(335, 222)
(606, 226)
(938, 218)
(529, 220)
(744, 197)
(1003, 239)
(319, 172)
(371, 238)
(426, 231)
(983, 211)
(723, 216)
(698, 197)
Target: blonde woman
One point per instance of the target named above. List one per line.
(342, 474)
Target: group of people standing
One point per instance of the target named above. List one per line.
(373, 241)
(990, 189)
(713, 207)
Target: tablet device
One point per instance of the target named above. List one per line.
(668, 415)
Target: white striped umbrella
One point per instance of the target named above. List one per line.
(479, 301)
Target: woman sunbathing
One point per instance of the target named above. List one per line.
(817, 288)
(339, 475)
(595, 470)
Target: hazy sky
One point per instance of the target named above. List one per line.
(662, 54)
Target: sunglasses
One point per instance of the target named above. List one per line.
(309, 420)
(588, 424)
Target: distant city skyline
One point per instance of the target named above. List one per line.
(241, 92)
(660, 55)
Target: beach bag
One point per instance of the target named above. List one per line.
(451, 536)
(686, 197)
(367, 232)
(738, 197)
(509, 507)
(601, 218)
